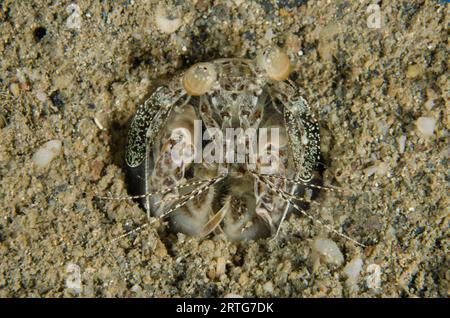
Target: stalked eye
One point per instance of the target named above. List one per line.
(275, 63)
(199, 79)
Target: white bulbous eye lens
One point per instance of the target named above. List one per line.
(275, 63)
(199, 79)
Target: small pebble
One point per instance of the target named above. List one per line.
(136, 289)
(57, 100)
(101, 120)
(47, 152)
(165, 22)
(243, 279)
(15, 89)
(353, 268)
(268, 35)
(382, 168)
(426, 125)
(268, 287)
(414, 71)
(207, 246)
(373, 280)
(328, 250)
(401, 143)
(220, 267)
(41, 96)
(211, 273)
(73, 279)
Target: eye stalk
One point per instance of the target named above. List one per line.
(275, 63)
(199, 79)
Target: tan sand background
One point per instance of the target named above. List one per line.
(368, 86)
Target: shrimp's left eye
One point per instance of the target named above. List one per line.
(199, 79)
(275, 63)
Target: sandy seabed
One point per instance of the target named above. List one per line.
(75, 71)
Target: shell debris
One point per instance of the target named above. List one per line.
(401, 143)
(47, 152)
(328, 251)
(426, 125)
(268, 287)
(352, 271)
(73, 279)
(373, 280)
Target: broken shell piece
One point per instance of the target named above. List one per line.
(328, 251)
(426, 125)
(352, 271)
(101, 121)
(47, 152)
(373, 280)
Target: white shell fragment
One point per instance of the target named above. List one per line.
(373, 280)
(426, 125)
(220, 266)
(165, 22)
(353, 268)
(73, 279)
(352, 271)
(401, 143)
(268, 287)
(328, 251)
(47, 152)
(41, 96)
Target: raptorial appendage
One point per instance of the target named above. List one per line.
(304, 137)
(148, 121)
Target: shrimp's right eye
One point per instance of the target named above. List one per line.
(199, 79)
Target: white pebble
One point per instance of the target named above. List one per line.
(353, 268)
(220, 266)
(373, 280)
(328, 250)
(165, 22)
(136, 289)
(41, 96)
(429, 104)
(268, 287)
(401, 143)
(47, 152)
(268, 35)
(73, 279)
(426, 125)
